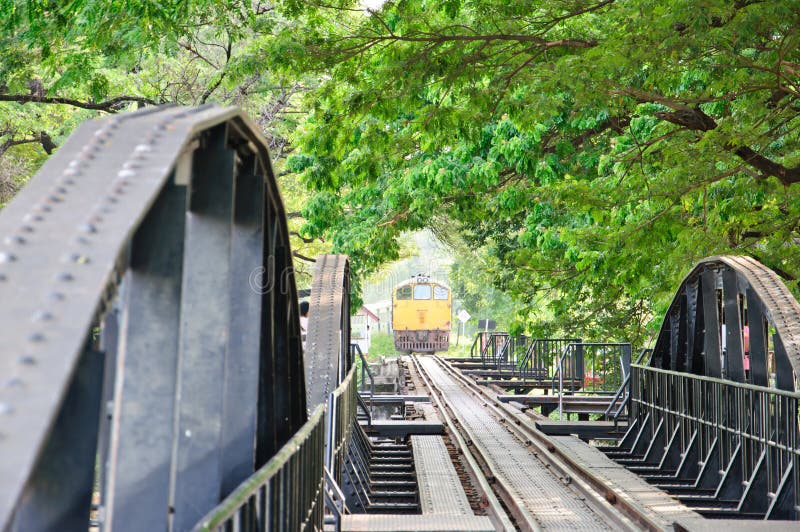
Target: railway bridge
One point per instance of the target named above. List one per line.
(152, 375)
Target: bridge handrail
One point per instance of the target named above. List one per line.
(526, 364)
(491, 343)
(256, 493)
(762, 420)
(528, 354)
(624, 389)
(559, 373)
(474, 343)
(368, 372)
(326, 434)
(342, 406)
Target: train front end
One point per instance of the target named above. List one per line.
(421, 315)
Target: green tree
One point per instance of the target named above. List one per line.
(600, 147)
(64, 62)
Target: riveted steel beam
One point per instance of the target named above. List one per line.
(104, 225)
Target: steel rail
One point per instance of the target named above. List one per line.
(496, 512)
(590, 485)
(505, 490)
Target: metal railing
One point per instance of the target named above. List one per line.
(487, 346)
(365, 372)
(285, 494)
(608, 365)
(751, 430)
(288, 492)
(541, 355)
(342, 406)
(592, 367)
(510, 351)
(621, 400)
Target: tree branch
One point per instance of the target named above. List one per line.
(302, 257)
(695, 119)
(109, 106)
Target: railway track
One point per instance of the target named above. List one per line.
(538, 487)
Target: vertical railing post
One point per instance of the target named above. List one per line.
(579, 371)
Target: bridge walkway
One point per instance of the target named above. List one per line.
(548, 500)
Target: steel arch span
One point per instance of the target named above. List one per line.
(149, 319)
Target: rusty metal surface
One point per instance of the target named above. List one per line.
(440, 489)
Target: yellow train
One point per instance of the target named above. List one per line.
(421, 315)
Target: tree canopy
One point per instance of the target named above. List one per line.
(587, 151)
(595, 148)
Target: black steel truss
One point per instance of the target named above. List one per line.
(149, 318)
(714, 418)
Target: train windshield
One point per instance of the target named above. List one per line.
(422, 291)
(404, 292)
(440, 292)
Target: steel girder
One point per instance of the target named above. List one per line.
(150, 252)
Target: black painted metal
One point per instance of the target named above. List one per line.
(487, 346)
(540, 360)
(728, 294)
(591, 368)
(713, 417)
(286, 494)
(166, 224)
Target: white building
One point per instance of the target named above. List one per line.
(361, 327)
(383, 311)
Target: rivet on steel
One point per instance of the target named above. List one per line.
(7, 257)
(64, 277)
(6, 409)
(27, 360)
(14, 239)
(42, 315)
(71, 257)
(36, 337)
(87, 228)
(13, 382)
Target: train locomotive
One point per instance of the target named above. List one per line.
(421, 315)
